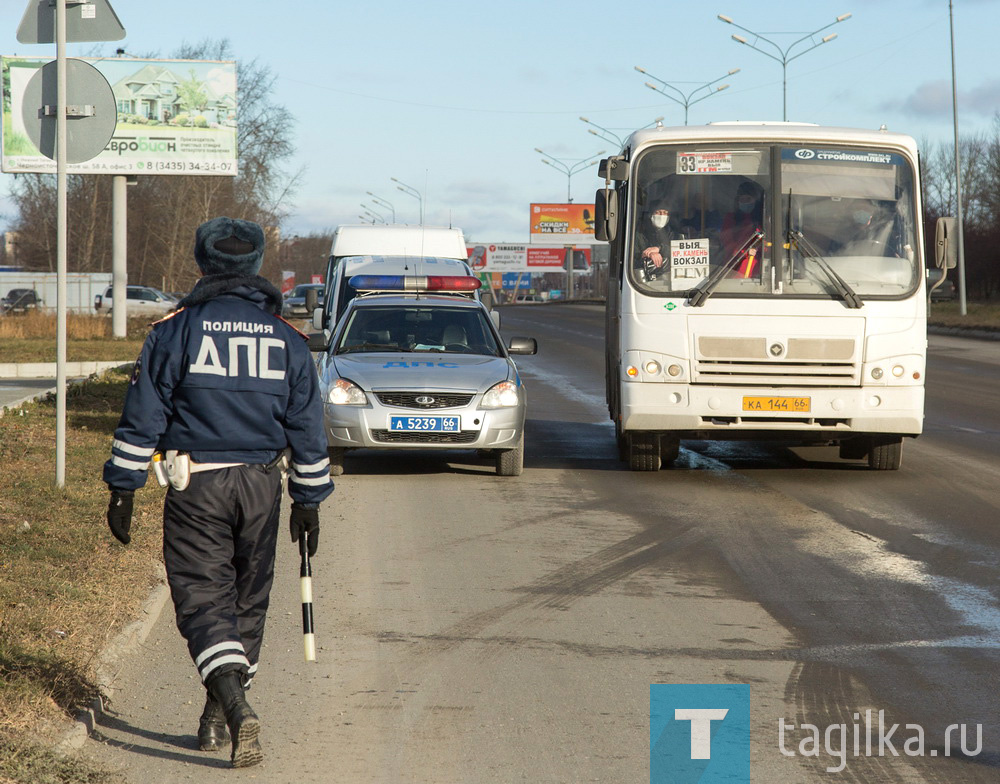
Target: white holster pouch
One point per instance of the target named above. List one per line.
(160, 469)
(178, 465)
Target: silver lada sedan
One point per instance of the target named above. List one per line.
(422, 370)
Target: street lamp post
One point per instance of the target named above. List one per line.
(409, 190)
(784, 58)
(569, 170)
(371, 214)
(685, 100)
(603, 133)
(383, 203)
(373, 211)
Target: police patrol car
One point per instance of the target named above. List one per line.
(417, 363)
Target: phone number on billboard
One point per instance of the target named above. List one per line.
(189, 166)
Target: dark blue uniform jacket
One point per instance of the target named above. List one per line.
(228, 382)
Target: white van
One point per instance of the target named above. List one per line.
(395, 249)
(397, 239)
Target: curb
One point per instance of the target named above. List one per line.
(109, 662)
(48, 369)
(964, 332)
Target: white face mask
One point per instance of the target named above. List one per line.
(659, 220)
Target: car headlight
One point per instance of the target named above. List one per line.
(502, 395)
(346, 393)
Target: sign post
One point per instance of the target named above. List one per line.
(37, 27)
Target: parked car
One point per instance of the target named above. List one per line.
(19, 301)
(141, 301)
(294, 305)
(945, 292)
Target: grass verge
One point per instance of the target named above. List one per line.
(66, 586)
(979, 315)
(32, 338)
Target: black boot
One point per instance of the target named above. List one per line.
(212, 726)
(244, 726)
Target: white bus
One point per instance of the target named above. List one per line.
(766, 281)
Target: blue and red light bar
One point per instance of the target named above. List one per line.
(414, 283)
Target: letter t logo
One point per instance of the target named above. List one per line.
(701, 728)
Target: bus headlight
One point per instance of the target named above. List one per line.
(876, 373)
(346, 393)
(898, 370)
(674, 371)
(652, 367)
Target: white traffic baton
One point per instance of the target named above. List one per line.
(306, 587)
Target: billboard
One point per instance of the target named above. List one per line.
(554, 224)
(497, 257)
(174, 117)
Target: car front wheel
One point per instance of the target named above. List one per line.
(336, 460)
(510, 462)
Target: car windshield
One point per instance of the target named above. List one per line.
(762, 220)
(417, 328)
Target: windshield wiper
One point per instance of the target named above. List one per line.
(798, 240)
(704, 289)
(368, 347)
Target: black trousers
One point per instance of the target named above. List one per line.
(219, 539)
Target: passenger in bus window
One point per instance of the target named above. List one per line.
(738, 225)
(657, 229)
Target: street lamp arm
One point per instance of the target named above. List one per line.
(741, 40)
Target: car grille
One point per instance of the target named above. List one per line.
(409, 399)
(389, 437)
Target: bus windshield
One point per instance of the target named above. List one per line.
(763, 220)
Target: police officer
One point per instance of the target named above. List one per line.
(223, 387)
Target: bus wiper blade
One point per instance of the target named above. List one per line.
(850, 296)
(704, 289)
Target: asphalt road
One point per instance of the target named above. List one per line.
(15, 391)
(474, 628)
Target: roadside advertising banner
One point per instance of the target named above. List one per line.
(174, 117)
(523, 258)
(287, 281)
(552, 224)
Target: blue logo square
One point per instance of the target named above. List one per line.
(699, 734)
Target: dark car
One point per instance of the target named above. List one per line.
(294, 305)
(943, 293)
(19, 301)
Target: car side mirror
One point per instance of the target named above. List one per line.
(523, 346)
(946, 243)
(319, 341)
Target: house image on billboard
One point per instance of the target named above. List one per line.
(156, 93)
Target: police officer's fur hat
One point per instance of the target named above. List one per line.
(229, 246)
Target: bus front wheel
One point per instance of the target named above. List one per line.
(885, 453)
(643, 451)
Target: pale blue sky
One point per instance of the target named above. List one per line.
(452, 97)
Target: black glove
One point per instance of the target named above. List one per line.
(120, 514)
(304, 522)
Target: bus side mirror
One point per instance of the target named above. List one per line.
(614, 168)
(312, 298)
(946, 243)
(606, 215)
(318, 320)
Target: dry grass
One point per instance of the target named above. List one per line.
(32, 338)
(66, 586)
(979, 315)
